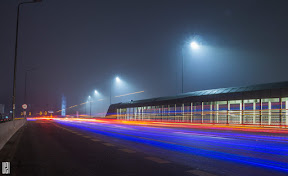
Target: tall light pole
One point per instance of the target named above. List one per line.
(25, 89)
(96, 94)
(118, 80)
(86, 107)
(15, 56)
(194, 45)
(89, 98)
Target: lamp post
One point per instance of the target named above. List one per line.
(15, 56)
(25, 88)
(194, 45)
(89, 98)
(96, 94)
(118, 80)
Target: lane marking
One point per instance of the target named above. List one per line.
(67, 129)
(200, 173)
(108, 144)
(157, 160)
(87, 137)
(95, 140)
(127, 150)
(41, 122)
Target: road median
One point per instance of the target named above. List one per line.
(8, 129)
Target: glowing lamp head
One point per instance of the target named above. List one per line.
(96, 92)
(194, 45)
(117, 79)
(89, 97)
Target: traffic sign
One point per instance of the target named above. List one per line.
(24, 106)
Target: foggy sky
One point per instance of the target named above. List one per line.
(79, 46)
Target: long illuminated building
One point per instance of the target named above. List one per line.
(264, 104)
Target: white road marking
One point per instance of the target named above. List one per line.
(200, 173)
(157, 160)
(108, 144)
(127, 150)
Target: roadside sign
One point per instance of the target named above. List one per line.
(24, 106)
(29, 113)
(50, 112)
(45, 113)
(40, 113)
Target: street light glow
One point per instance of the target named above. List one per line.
(117, 79)
(194, 45)
(96, 92)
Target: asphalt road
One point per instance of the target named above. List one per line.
(56, 147)
(46, 147)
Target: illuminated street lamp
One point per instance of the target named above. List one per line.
(96, 92)
(15, 56)
(117, 80)
(195, 46)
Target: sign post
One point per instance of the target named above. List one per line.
(24, 106)
(51, 112)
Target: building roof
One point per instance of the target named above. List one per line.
(218, 91)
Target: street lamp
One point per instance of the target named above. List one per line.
(117, 80)
(194, 45)
(25, 88)
(97, 95)
(15, 56)
(89, 98)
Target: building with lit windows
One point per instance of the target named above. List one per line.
(265, 104)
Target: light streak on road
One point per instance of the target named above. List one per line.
(261, 148)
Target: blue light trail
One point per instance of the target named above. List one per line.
(247, 149)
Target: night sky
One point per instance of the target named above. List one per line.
(78, 46)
